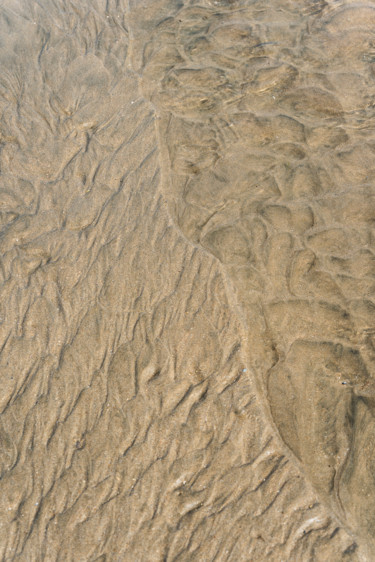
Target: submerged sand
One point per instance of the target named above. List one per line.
(187, 280)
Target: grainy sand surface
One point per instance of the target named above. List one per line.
(187, 274)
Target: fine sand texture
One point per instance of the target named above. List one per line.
(187, 281)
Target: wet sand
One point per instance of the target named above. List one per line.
(187, 281)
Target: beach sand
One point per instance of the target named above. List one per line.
(187, 274)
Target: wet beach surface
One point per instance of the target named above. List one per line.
(187, 274)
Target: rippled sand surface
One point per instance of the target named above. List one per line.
(187, 269)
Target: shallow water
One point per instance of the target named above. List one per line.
(187, 300)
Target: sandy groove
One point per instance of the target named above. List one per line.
(129, 428)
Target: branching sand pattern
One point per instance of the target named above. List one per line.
(150, 318)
